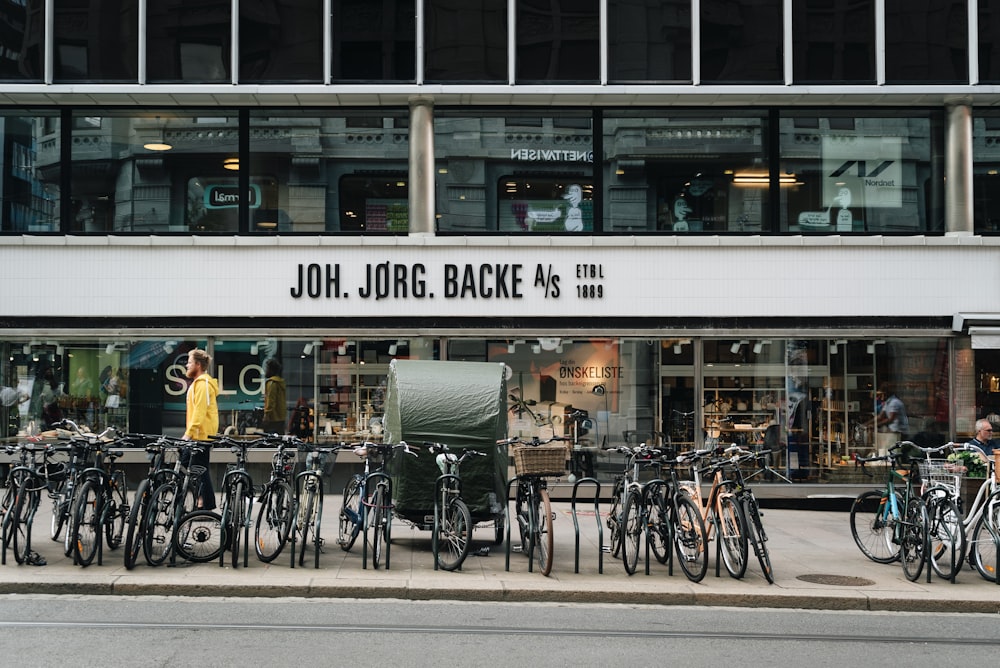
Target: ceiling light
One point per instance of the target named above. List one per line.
(735, 348)
(232, 164)
(393, 348)
(678, 348)
(160, 145)
(757, 347)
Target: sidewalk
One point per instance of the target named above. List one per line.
(815, 561)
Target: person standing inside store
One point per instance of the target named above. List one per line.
(275, 406)
(892, 418)
(202, 418)
(984, 436)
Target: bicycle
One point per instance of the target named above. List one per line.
(308, 514)
(277, 501)
(747, 500)
(887, 526)
(686, 525)
(720, 511)
(26, 481)
(101, 503)
(453, 526)
(171, 501)
(534, 462)
(940, 489)
(625, 519)
(982, 521)
(155, 476)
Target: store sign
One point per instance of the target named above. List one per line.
(862, 172)
(550, 155)
(228, 196)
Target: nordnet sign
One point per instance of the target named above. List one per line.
(862, 171)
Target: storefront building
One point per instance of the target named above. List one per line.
(694, 220)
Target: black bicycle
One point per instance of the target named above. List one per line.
(101, 505)
(453, 526)
(170, 501)
(155, 476)
(277, 500)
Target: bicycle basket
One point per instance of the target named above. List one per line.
(196, 470)
(540, 459)
(941, 473)
(54, 471)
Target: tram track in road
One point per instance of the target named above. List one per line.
(451, 630)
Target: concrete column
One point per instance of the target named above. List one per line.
(421, 167)
(958, 169)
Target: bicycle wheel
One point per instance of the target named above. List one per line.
(116, 510)
(60, 505)
(135, 523)
(756, 536)
(873, 526)
(543, 533)
(157, 540)
(378, 521)
(305, 520)
(87, 523)
(733, 535)
(317, 523)
(200, 536)
(499, 527)
(453, 535)
(913, 539)
(349, 524)
(945, 535)
(19, 526)
(631, 531)
(984, 540)
(689, 538)
(521, 514)
(615, 517)
(274, 520)
(658, 525)
(239, 521)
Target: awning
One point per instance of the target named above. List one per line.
(983, 329)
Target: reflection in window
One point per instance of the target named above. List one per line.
(31, 174)
(281, 41)
(926, 41)
(374, 41)
(96, 40)
(989, 41)
(741, 41)
(374, 203)
(465, 41)
(649, 40)
(545, 204)
(986, 177)
(188, 40)
(834, 41)
(23, 40)
(873, 175)
(558, 40)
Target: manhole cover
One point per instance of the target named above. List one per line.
(839, 580)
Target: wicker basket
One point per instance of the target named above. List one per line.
(540, 459)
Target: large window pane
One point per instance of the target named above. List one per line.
(926, 41)
(834, 41)
(558, 40)
(23, 41)
(685, 173)
(281, 42)
(374, 40)
(517, 173)
(649, 40)
(189, 40)
(986, 172)
(989, 41)
(29, 201)
(466, 41)
(876, 174)
(741, 41)
(96, 40)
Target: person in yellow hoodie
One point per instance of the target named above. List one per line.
(202, 417)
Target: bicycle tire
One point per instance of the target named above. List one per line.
(317, 523)
(945, 535)
(756, 535)
(378, 510)
(615, 517)
(631, 531)
(115, 510)
(158, 537)
(87, 523)
(913, 539)
(59, 511)
(733, 535)
(349, 523)
(200, 536)
(543, 533)
(873, 527)
(305, 523)
(19, 524)
(982, 548)
(521, 514)
(499, 527)
(658, 524)
(689, 538)
(134, 525)
(454, 534)
(274, 521)
(239, 522)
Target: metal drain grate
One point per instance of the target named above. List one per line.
(838, 580)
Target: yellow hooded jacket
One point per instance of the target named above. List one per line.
(202, 408)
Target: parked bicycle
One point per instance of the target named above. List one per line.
(171, 501)
(534, 462)
(452, 531)
(100, 505)
(308, 503)
(747, 501)
(156, 475)
(277, 500)
(888, 524)
(34, 473)
(982, 519)
(625, 518)
(941, 492)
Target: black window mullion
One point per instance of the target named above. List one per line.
(243, 214)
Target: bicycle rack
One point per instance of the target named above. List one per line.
(370, 479)
(600, 527)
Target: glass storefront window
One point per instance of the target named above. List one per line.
(31, 172)
(465, 41)
(876, 174)
(649, 40)
(690, 173)
(517, 173)
(833, 41)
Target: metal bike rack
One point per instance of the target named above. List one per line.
(600, 527)
(372, 479)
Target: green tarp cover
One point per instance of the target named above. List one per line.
(461, 404)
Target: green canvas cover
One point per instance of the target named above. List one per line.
(461, 404)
